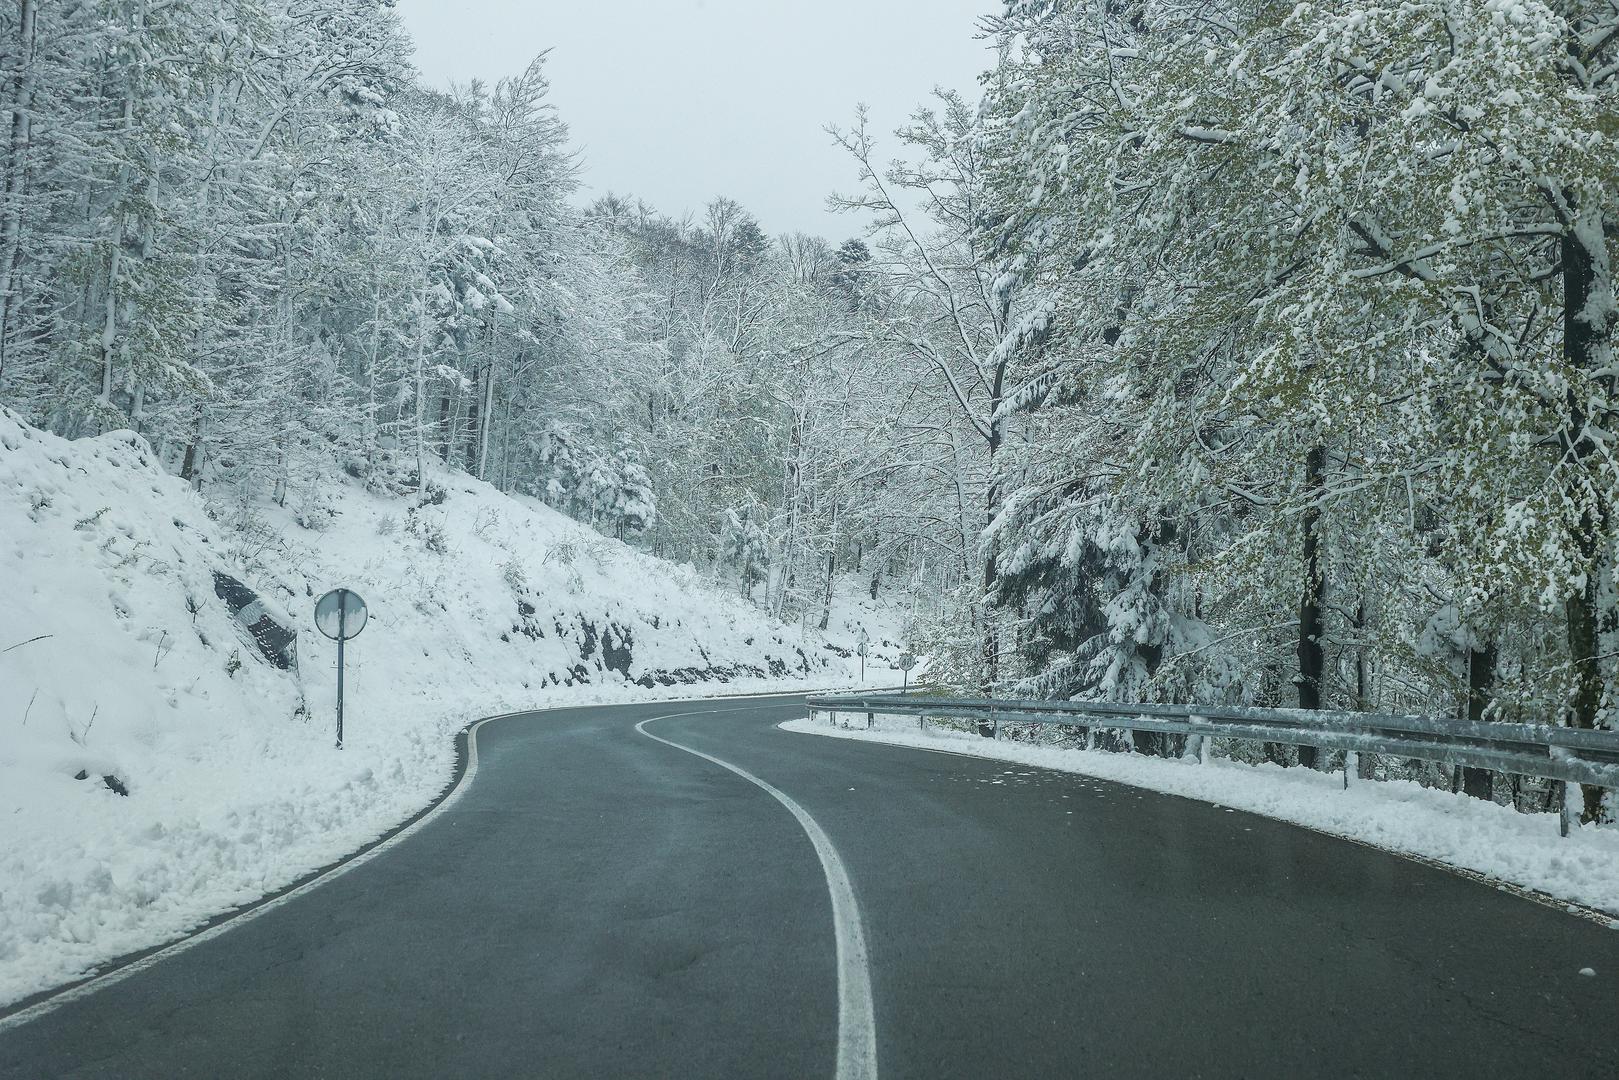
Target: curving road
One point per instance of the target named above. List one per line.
(600, 903)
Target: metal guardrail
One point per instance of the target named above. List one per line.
(1566, 755)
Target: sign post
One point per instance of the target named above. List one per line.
(340, 615)
(906, 662)
(864, 648)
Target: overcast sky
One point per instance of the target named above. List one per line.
(676, 101)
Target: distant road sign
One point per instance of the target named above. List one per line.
(340, 614)
(907, 661)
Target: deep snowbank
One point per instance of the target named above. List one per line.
(1494, 841)
(133, 669)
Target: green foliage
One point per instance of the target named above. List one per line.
(1249, 234)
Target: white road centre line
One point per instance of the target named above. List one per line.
(857, 1026)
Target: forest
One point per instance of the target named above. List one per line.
(1243, 352)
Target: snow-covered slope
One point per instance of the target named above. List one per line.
(882, 620)
(120, 661)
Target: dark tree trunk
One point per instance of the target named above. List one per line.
(475, 421)
(831, 570)
(1155, 743)
(1152, 655)
(444, 427)
(992, 498)
(1362, 690)
(17, 168)
(191, 465)
(1586, 327)
(1480, 678)
(831, 576)
(1312, 659)
(1365, 764)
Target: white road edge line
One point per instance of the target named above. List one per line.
(857, 1025)
(117, 975)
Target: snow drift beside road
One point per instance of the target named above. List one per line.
(134, 670)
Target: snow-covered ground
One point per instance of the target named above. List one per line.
(881, 621)
(118, 660)
(1497, 842)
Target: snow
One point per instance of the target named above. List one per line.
(119, 661)
(1522, 850)
(882, 620)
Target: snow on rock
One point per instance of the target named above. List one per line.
(122, 670)
(1496, 841)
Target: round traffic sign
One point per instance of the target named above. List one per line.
(907, 661)
(340, 614)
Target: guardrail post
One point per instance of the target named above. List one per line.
(994, 724)
(1564, 809)
(1197, 745)
(1351, 763)
(871, 720)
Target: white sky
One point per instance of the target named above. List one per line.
(677, 101)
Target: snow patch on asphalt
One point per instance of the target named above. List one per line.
(1522, 850)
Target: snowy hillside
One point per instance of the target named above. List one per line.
(123, 671)
(882, 621)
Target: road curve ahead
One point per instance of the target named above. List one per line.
(601, 903)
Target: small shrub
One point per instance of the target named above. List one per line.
(250, 536)
(430, 533)
(516, 578)
(316, 518)
(433, 538)
(488, 519)
(133, 556)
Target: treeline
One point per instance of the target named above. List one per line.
(244, 231)
(1309, 385)
(248, 232)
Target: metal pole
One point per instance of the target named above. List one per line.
(342, 632)
(905, 686)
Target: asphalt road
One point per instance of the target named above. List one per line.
(600, 904)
